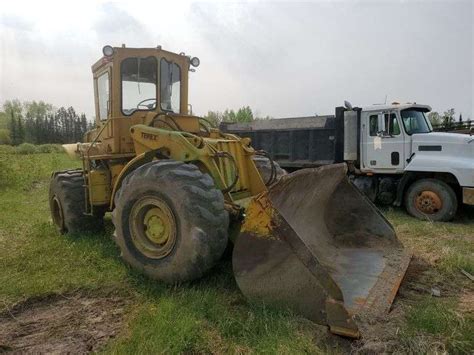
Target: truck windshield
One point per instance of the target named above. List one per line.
(415, 121)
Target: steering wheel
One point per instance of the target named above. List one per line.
(148, 106)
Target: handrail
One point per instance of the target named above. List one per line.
(84, 166)
(96, 137)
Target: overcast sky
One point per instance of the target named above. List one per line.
(281, 58)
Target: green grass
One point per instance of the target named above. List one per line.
(211, 315)
(449, 246)
(35, 260)
(431, 323)
(442, 320)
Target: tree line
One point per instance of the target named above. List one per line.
(243, 114)
(38, 122)
(447, 119)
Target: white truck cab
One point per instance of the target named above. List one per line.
(436, 169)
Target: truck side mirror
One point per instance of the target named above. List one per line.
(381, 124)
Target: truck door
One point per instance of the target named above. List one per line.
(383, 142)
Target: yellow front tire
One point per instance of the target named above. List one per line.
(170, 222)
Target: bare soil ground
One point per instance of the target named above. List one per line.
(73, 323)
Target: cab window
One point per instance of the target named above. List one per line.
(392, 127)
(374, 125)
(170, 90)
(139, 80)
(103, 95)
(391, 124)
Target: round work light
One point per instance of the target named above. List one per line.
(195, 61)
(108, 50)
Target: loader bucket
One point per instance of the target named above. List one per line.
(315, 244)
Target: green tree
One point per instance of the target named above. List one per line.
(14, 110)
(244, 114)
(36, 113)
(20, 130)
(14, 129)
(38, 122)
(214, 118)
(448, 118)
(434, 118)
(5, 136)
(228, 116)
(13, 106)
(3, 120)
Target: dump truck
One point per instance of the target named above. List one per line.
(182, 192)
(393, 155)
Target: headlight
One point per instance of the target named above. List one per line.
(195, 61)
(108, 51)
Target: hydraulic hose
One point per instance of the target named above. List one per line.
(273, 174)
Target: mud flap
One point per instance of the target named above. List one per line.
(315, 244)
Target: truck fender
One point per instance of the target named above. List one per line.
(459, 167)
(407, 178)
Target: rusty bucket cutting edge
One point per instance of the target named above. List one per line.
(315, 244)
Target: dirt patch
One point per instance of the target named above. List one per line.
(466, 303)
(61, 324)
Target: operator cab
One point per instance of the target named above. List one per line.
(140, 86)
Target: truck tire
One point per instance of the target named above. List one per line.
(67, 204)
(431, 199)
(264, 167)
(170, 221)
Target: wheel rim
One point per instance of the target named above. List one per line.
(428, 202)
(57, 213)
(153, 227)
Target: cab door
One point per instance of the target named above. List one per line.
(383, 142)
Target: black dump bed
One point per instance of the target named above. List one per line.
(293, 142)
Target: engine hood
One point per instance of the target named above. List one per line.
(442, 138)
(444, 144)
(444, 152)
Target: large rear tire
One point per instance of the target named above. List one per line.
(264, 167)
(67, 204)
(170, 221)
(431, 199)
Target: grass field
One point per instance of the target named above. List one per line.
(209, 315)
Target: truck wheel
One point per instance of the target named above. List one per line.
(431, 199)
(170, 221)
(67, 204)
(264, 167)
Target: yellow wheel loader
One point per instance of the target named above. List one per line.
(176, 187)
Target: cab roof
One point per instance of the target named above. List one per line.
(132, 51)
(396, 106)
